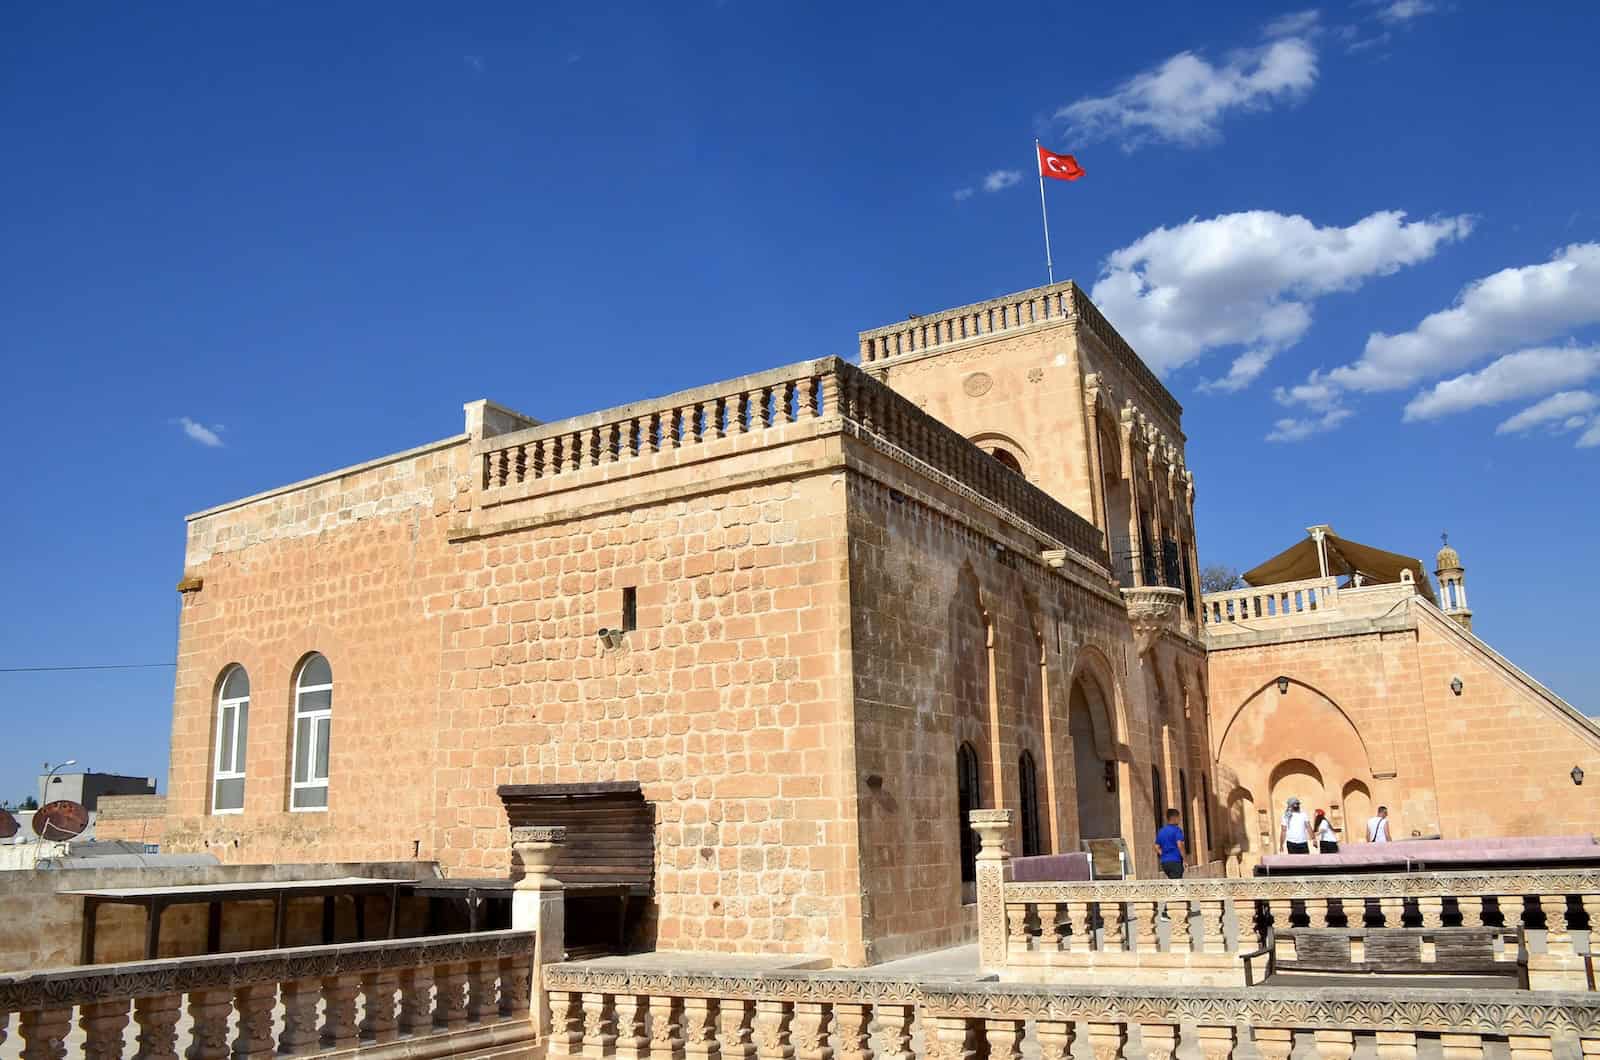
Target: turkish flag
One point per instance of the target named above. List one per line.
(1058, 167)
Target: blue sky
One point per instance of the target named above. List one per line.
(243, 244)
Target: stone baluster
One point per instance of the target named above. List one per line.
(575, 450)
(736, 1029)
(1334, 1045)
(1217, 1043)
(1590, 1049)
(339, 1010)
(208, 1037)
(894, 1027)
(1394, 910)
(850, 1036)
(255, 1005)
(44, 1033)
(666, 1029)
(1053, 935)
(1397, 1045)
(1282, 911)
(950, 1038)
(1528, 1047)
(1317, 912)
(1273, 1043)
(772, 1031)
(483, 982)
(1214, 926)
(566, 1025)
(700, 1029)
(1557, 938)
(1004, 1038)
(450, 996)
(1432, 912)
(1468, 1047)
(1590, 903)
(104, 1024)
(1160, 1040)
(1017, 927)
(536, 457)
(633, 1012)
(1081, 916)
(300, 1000)
(1106, 1040)
(599, 1026)
(157, 1018)
(1115, 939)
(1180, 938)
(1055, 1039)
(416, 1001)
(516, 982)
(378, 1023)
(613, 443)
(808, 1031)
(830, 394)
(1146, 916)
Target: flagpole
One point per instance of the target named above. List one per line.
(1049, 266)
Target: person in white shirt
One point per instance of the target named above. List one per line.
(1378, 827)
(1327, 838)
(1296, 829)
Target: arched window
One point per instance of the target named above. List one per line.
(233, 725)
(967, 796)
(1158, 794)
(1005, 457)
(313, 718)
(1028, 781)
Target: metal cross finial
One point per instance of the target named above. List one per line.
(1444, 537)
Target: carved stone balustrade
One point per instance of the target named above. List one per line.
(234, 1001)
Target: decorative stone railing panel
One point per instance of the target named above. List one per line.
(444, 995)
(1269, 602)
(665, 1015)
(732, 414)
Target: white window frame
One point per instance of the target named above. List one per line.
(313, 716)
(240, 706)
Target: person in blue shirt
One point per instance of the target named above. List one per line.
(1169, 844)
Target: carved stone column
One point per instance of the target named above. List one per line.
(1432, 911)
(1273, 1043)
(633, 1011)
(1106, 1040)
(949, 1038)
(44, 1033)
(103, 1026)
(736, 1017)
(1217, 1043)
(1055, 1039)
(1557, 939)
(1468, 1047)
(1335, 1045)
(483, 984)
(772, 1031)
(208, 1037)
(566, 1023)
(1472, 911)
(700, 1029)
(450, 996)
(1397, 1045)
(1394, 910)
(1115, 939)
(809, 1030)
(1528, 1047)
(1180, 938)
(300, 1000)
(515, 986)
(599, 1026)
(157, 1018)
(894, 1024)
(1004, 1038)
(1160, 1040)
(1145, 932)
(1082, 920)
(416, 1001)
(992, 827)
(339, 1011)
(255, 1004)
(1214, 926)
(1055, 925)
(1017, 928)
(850, 1031)
(378, 1022)
(666, 1029)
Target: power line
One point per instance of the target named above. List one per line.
(57, 669)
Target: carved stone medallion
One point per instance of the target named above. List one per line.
(978, 384)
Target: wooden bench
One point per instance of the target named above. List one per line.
(1357, 952)
(608, 859)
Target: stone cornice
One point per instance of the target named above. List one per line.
(64, 987)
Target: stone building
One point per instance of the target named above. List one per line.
(1340, 677)
(840, 606)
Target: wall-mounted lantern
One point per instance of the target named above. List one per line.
(1283, 685)
(1577, 774)
(1456, 685)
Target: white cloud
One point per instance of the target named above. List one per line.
(1591, 437)
(1296, 24)
(1405, 10)
(1247, 279)
(1184, 99)
(1293, 429)
(1566, 405)
(1001, 179)
(963, 194)
(199, 432)
(1512, 306)
(1523, 374)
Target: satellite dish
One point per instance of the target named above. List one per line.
(59, 820)
(8, 824)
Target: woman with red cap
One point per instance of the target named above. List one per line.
(1327, 841)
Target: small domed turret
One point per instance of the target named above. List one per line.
(1452, 583)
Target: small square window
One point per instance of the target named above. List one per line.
(630, 608)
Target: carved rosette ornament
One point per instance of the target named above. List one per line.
(1152, 610)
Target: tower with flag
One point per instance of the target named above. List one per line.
(1056, 167)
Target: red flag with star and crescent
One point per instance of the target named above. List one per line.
(1058, 167)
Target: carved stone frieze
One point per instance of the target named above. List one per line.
(1289, 888)
(1153, 610)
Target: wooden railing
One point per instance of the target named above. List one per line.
(661, 1015)
(828, 389)
(440, 996)
(1266, 602)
